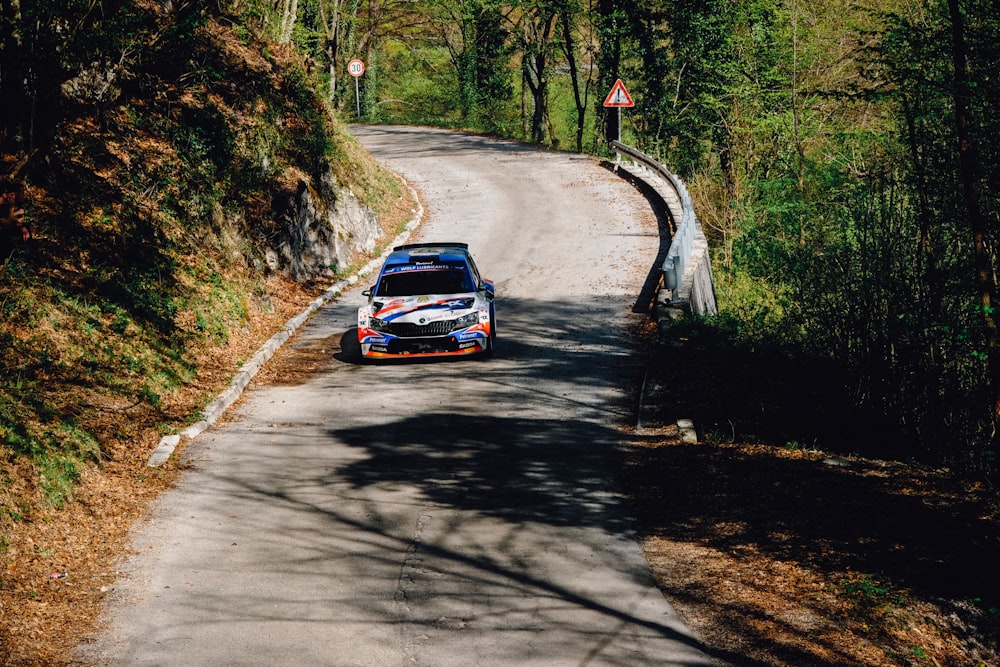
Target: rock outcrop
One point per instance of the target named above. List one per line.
(320, 228)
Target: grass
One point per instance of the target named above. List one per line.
(871, 600)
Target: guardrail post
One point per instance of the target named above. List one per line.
(670, 274)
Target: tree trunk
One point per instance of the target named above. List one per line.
(579, 97)
(537, 40)
(329, 18)
(11, 78)
(969, 168)
(932, 270)
(289, 9)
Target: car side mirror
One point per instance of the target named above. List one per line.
(367, 292)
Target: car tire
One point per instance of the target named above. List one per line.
(491, 342)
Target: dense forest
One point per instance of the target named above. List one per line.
(840, 153)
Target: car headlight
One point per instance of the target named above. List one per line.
(377, 324)
(467, 320)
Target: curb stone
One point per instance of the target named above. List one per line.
(211, 413)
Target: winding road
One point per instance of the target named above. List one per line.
(439, 513)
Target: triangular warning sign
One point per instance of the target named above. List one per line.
(618, 97)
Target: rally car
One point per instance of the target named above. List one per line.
(429, 300)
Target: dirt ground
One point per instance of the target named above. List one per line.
(779, 557)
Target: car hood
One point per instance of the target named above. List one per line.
(424, 308)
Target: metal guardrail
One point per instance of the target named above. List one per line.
(687, 269)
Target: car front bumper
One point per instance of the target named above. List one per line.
(457, 344)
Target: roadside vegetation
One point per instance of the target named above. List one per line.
(150, 145)
(841, 157)
(150, 203)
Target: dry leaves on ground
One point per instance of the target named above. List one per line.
(795, 558)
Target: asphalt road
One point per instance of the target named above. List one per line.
(446, 513)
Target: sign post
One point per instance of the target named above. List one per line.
(356, 68)
(616, 99)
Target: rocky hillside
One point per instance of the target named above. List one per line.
(194, 195)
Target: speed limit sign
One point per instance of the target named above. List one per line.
(356, 68)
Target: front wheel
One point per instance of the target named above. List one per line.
(491, 341)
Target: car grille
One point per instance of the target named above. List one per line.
(422, 345)
(409, 330)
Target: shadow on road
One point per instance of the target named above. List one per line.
(519, 460)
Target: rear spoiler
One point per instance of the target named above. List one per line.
(432, 245)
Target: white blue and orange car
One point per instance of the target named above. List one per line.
(429, 300)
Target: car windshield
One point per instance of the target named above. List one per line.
(413, 283)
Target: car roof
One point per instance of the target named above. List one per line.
(432, 253)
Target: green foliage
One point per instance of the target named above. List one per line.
(316, 140)
(838, 224)
(59, 474)
(418, 87)
(483, 68)
(753, 301)
(13, 431)
(871, 600)
(206, 142)
(70, 438)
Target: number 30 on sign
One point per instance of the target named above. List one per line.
(355, 67)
